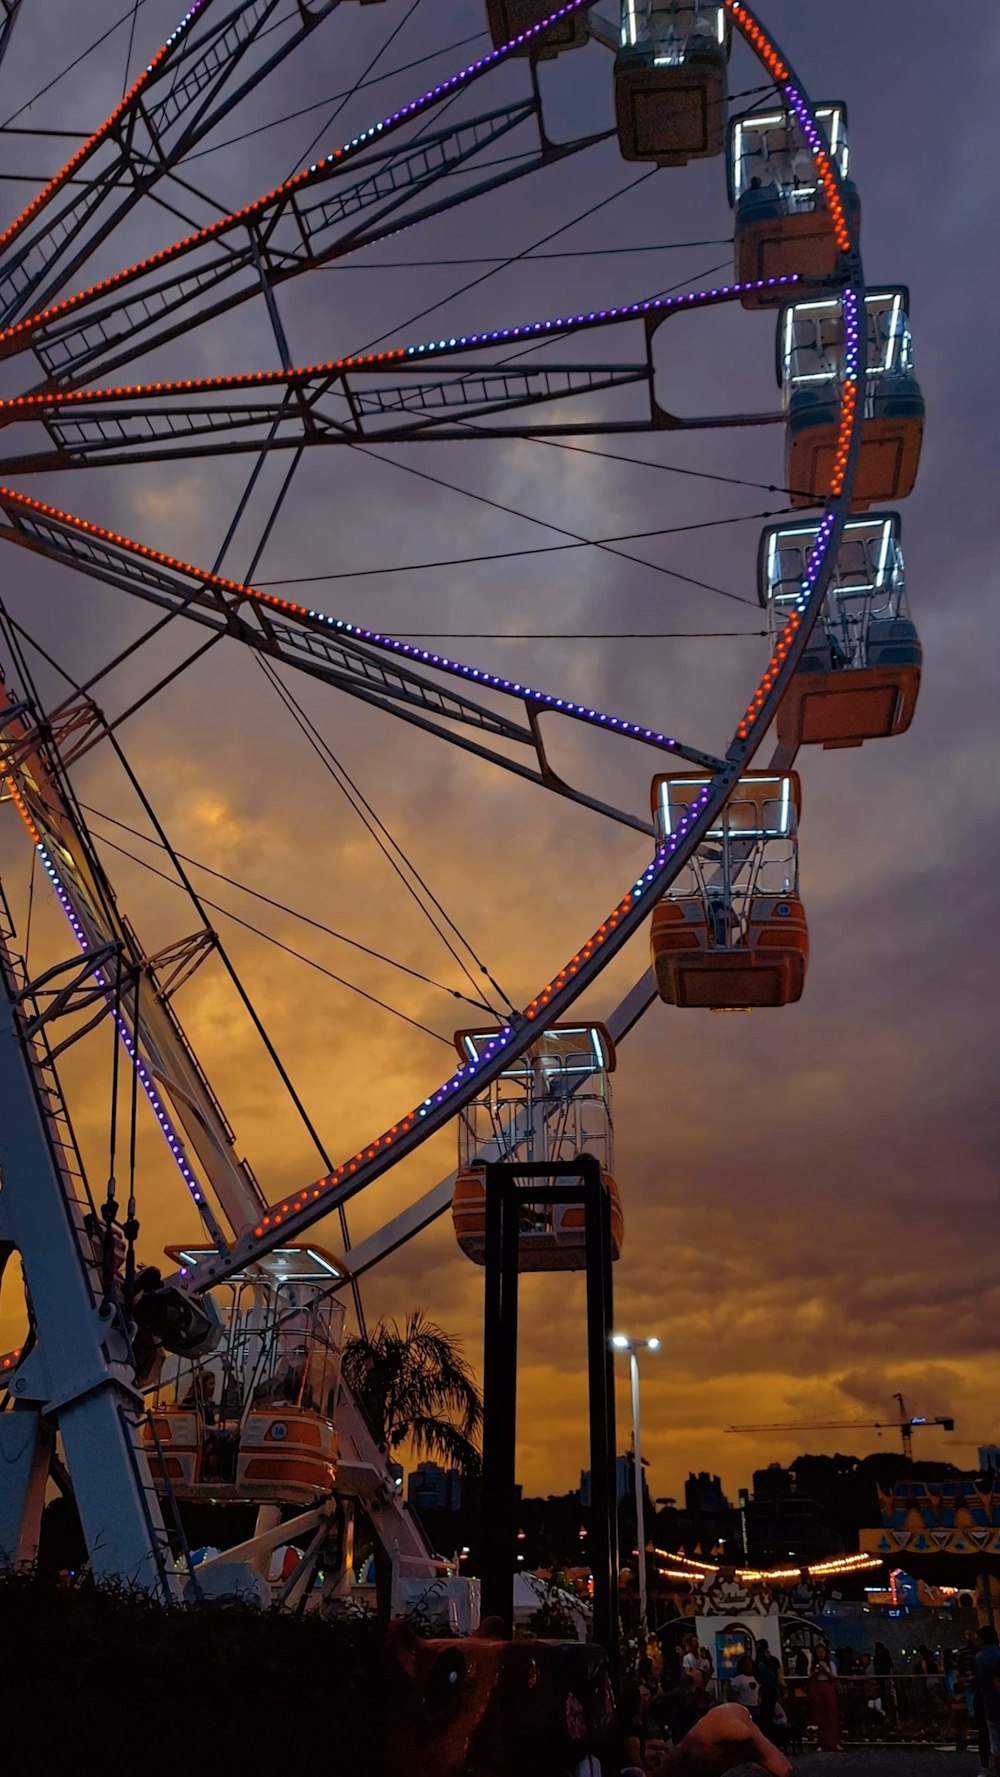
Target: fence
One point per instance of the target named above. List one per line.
(907, 1708)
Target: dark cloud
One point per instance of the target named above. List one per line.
(810, 1194)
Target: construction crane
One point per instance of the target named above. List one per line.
(906, 1425)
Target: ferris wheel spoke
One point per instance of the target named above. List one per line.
(329, 408)
(183, 94)
(9, 10)
(345, 401)
(330, 650)
(141, 309)
(389, 178)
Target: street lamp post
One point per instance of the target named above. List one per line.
(622, 1342)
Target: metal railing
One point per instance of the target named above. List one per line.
(902, 1708)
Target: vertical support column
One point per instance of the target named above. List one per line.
(268, 1518)
(25, 1450)
(640, 1522)
(603, 1542)
(79, 1374)
(500, 1395)
(500, 1385)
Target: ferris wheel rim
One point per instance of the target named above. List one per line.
(557, 998)
(559, 994)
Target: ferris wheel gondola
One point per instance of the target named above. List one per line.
(734, 934)
(670, 80)
(782, 217)
(812, 346)
(859, 677)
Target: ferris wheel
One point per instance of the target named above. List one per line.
(117, 366)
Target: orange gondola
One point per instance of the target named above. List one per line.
(552, 1103)
(810, 372)
(783, 222)
(859, 676)
(252, 1422)
(733, 936)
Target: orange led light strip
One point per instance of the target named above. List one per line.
(318, 171)
(102, 133)
(757, 37)
(16, 405)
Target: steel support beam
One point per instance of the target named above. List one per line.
(178, 100)
(82, 1381)
(27, 1441)
(506, 1193)
(9, 10)
(146, 306)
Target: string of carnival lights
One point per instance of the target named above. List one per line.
(701, 1573)
(50, 400)
(13, 501)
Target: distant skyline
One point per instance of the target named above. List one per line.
(810, 1194)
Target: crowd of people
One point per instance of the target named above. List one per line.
(676, 1687)
(968, 1676)
(974, 1679)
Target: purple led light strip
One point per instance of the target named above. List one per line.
(170, 1135)
(579, 711)
(463, 76)
(594, 318)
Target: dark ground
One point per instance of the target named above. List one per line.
(907, 1762)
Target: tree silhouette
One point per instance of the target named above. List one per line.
(415, 1387)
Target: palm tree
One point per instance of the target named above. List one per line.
(414, 1386)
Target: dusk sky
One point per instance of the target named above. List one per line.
(810, 1193)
